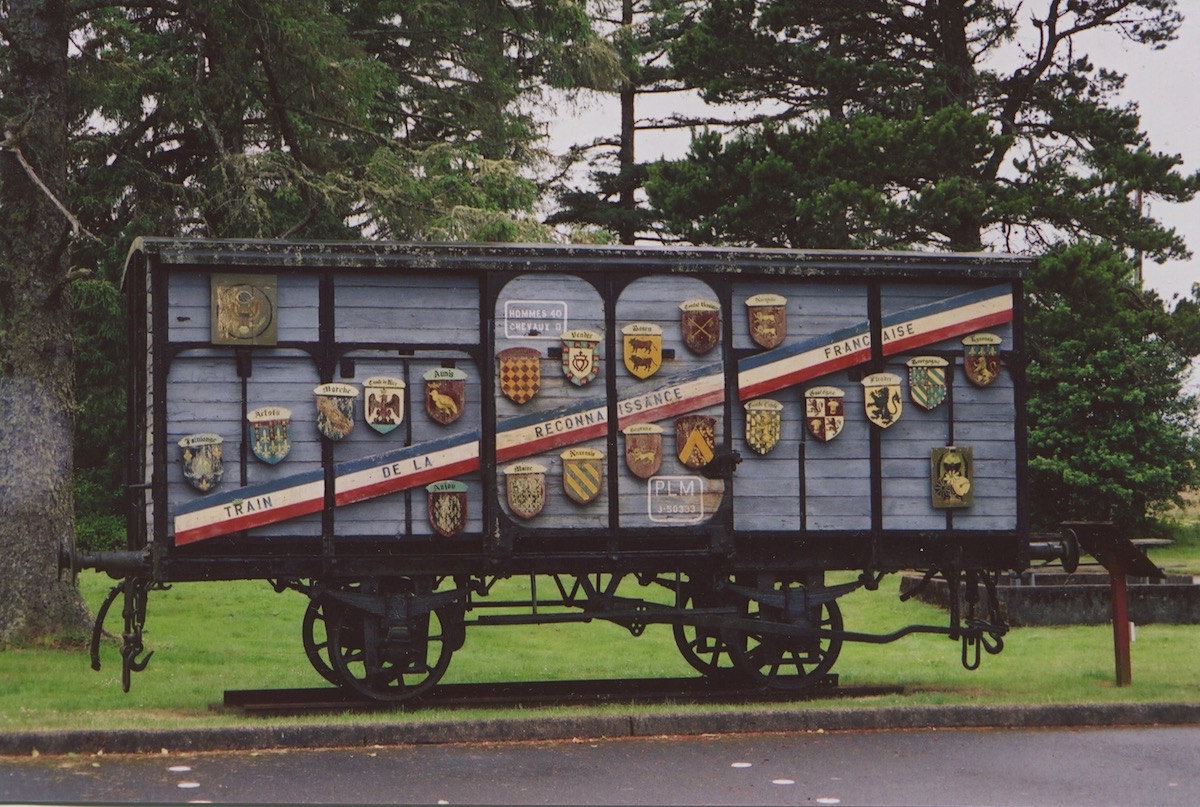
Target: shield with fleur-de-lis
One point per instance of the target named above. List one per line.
(525, 488)
(824, 412)
(981, 358)
(583, 474)
(927, 381)
(642, 346)
(580, 361)
(447, 507)
(383, 406)
(764, 424)
(695, 440)
(445, 394)
(701, 324)
(881, 398)
(644, 449)
(767, 314)
(335, 409)
(269, 430)
(202, 464)
(520, 370)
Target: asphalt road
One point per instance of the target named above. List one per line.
(1091, 766)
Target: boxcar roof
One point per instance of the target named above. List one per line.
(383, 255)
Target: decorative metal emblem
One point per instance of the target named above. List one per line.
(981, 358)
(335, 409)
(695, 440)
(824, 412)
(383, 408)
(927, 381)
(243, 310)
(881, 396)
(525, 485)
(520, 371)
(951, 472)
(202, 466)
(767, 314)
(445, 394)
(644, 449)
(701, 323)
(580, 361)
(643, 348)
(447, 507)
(270, 433)
(764, 422)
(583, 474)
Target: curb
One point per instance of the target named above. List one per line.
(255, 738)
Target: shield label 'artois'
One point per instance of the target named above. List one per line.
(269, 430)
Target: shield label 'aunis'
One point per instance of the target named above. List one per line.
(764, 424)
(335, 409)
(520, 370)
(269, 430)
(383, 408)
(695, 440)
(583, 474)
(642, 343)
(824, 412)
(881, 397)
(525, 488)
(927, 381)
(202, 465)
(644, 449)
(447, 507)
(701, 324)
(445, 394)
(981, 358)
(767, 314)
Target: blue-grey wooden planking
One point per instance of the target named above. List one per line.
(189, 311)
(406, 308)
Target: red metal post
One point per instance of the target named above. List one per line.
(1120, 612)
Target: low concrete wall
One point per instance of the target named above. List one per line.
(1079, 599)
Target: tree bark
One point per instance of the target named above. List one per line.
(37, 394)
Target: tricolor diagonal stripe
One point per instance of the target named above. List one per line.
(536, 432)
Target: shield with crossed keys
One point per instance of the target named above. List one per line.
(701, 324)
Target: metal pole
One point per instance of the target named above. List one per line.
(1120, 613)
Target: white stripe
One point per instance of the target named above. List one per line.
(421, 463)
(227, 511)
(956, 316)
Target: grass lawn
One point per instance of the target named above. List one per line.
(208, 637)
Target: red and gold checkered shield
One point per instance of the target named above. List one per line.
(520, 371)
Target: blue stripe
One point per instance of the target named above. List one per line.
(259, 489)
(408, 452)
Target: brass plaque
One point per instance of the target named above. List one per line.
(244, 310)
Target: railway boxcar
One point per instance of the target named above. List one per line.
(392, 428)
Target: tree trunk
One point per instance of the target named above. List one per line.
(37, 394)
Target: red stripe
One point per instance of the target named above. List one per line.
(250, 520)
(407, 481)
(672, 409)
(803, 374)
(539, 445)
(930, 337)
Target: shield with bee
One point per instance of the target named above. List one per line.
(824, 412)
(695, 440)
(525, 488)
(383, 408)
(767, 314)
(270, 433)
(447, 507)
(981, 358)
(881, 397)
(644, 449)
(335, 409)
(445, 394)
(927, 381)
(520, 370)
(583, 474)
(701, 324)
(201, 456)
(764, 421)
(580, 361)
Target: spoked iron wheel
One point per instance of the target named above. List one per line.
(388, 668)
(315, 634)
(702, 646)
(785, 662)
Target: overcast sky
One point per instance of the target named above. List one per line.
(1165, 84)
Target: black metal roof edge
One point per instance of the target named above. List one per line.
(390, 254)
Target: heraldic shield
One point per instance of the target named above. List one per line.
(881, 397)
(583, 474)
(642, 343)
(202, 466)
(824, 412)
(447, 507)
(384, 406)
(270, 433)
(951, 471)
(767, 314)
(525, 488)
(520, 370)
(981, 358)
(644, 449)
(927, 381)
(445, 394)
(580, 361)
(695, 440)
(764, 424)
(335, 409)
(701, 324)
